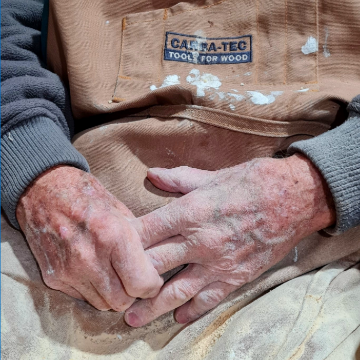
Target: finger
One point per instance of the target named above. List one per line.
(59, 285)
(178, 250)
(91, 295)
(164, 222)
(181, 179)
(134, 267)
(175, 293)
(171, 253)
(69, 290)
(205, 300)
(110, 288)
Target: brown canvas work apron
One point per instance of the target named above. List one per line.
(207, 84)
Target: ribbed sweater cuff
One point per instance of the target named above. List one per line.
(336, 154)
(27, 151)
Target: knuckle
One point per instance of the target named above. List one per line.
(157, 285)
(227, 264)
(240, 277)
(144, 287)
(157, 259)
(51, 282)
(178, 294)
(210, 298)
(139, 289)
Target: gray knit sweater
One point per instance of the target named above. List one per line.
(37, 124)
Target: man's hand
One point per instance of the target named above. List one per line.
(81, 237)
(233, 225)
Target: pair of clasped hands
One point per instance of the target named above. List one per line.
(229, 227)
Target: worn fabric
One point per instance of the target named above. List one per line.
(354, 107)
(36, 119)
(315, 316)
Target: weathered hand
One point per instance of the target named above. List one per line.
(232, 226)
(83, 241)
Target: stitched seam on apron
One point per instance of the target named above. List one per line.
(235, 82)
(161, 67)
(120, 57)
(256, 126)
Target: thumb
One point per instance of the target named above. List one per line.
(182, 179)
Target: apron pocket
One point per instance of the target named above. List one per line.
(212, 47)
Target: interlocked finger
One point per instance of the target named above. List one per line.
(205, 300)
(175, 293)
(110, 288)
(92, 296)
(171, 253)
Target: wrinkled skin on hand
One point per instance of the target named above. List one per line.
(83, 241)
(230, 227)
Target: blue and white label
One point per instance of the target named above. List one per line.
(207, 51)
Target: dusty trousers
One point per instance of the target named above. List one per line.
(207, 84)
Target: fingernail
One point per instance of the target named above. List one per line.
(186, 318)
(182, 320)
(132, 319)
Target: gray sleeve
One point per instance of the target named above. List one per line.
(35, 110)
(336, 154)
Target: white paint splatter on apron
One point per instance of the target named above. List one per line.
(311, 46)
(258, 98)
(203, 82)
(169, 81)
